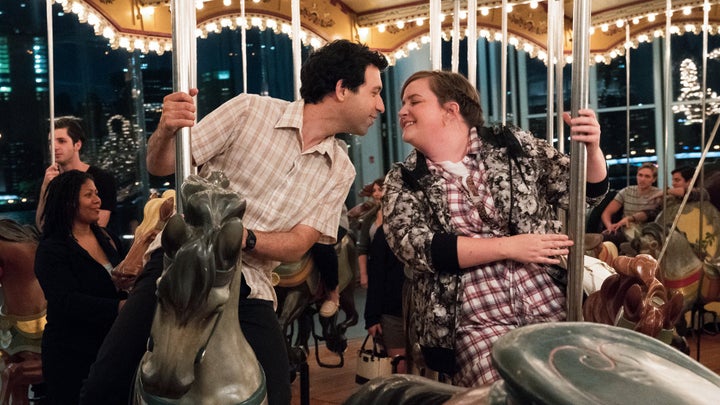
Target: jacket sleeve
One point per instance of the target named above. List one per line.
(408, 225)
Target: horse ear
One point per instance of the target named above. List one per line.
(174, 235)
(229, 242)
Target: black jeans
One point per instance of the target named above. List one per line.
(111, 377)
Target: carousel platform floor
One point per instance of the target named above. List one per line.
(332, 386)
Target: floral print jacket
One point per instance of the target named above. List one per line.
(528, 179)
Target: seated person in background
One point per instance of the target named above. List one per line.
(73, 264)
(639, 205)
(680, 182)
(69, 138)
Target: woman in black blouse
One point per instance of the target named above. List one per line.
(73, 264)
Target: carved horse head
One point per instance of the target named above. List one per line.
(680, 268)
(196, 351)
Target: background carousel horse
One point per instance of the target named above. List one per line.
(300, 292)
(22, 314)
(680, 269)
(196, 351)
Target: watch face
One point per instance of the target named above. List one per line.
(250, 241)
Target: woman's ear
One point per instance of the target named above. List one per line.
(452, 107)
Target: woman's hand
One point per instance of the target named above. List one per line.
(538, 248)
(375, 330)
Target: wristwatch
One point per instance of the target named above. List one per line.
(250, 241)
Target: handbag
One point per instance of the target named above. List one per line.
(372, 362)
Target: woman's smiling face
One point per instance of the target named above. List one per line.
(421, 114)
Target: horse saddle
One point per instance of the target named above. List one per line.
(293, 274)
(590, 363)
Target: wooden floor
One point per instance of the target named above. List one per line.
(332, 386)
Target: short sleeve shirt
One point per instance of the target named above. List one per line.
(256, 142)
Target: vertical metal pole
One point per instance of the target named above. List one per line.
(472, 42)
(627, 100)
(551, 42)
(184, 78)
(578, 160)
(243, 44)
(51, 78)
(455, 60)
(435, 35)
(663, 157)
(559, 64)
(296, 45)
(503, 65)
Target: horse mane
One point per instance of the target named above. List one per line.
(201, 248)
(11, 231)
(188, 279)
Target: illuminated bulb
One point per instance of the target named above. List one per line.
(604, 28)
(419, 22)
(509, 8)
(425, 39)
(636, 20)
(687, 10)
(651, 17)
(108, 33)
(227, 3)
(225, 22)
(413, 46)
(256, 22)
(400, 24)
(689, 28)
(513, 41)
(442, 17)
(484, 11)
(619, 23)
(147, 11)
(599, 58)
(363, 33)
(591, 30)
(199, 4)
(533, 4)
(381, 28)
(657, 33)
(272, 24)
(463, 14)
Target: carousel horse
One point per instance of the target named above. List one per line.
(22, 314)
(196, 352)
(680, 268)
(564, 363)
(300, 292)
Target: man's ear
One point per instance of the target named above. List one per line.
(77, 145)
(340, 90)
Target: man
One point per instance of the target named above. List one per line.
(283, 159)
(69, 138)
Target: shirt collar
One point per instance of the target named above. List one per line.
(293, 118)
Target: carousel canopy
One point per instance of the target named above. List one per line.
(396, 27)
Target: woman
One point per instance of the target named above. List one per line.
(73, 264)
(639, 204)
(471, 211)
(383, 305)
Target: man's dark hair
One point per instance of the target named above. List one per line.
(338, 60)
(685, 171)
(74, 127)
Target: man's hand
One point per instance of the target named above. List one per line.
(178, 112)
